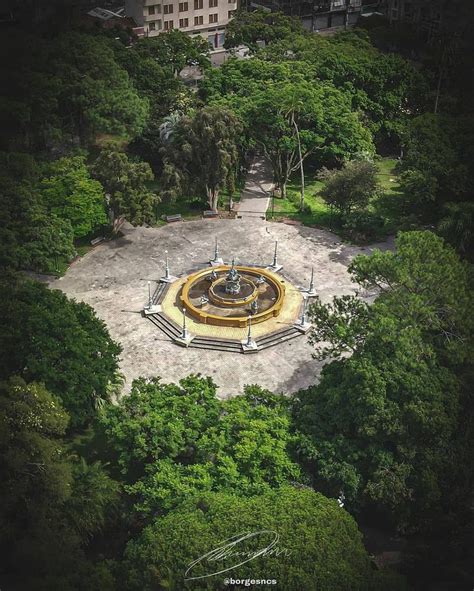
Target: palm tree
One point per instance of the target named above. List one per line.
(168, 127)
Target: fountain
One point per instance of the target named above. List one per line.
(232, 292)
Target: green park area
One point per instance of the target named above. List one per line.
(133, 443)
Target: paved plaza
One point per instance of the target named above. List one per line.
(113, 277)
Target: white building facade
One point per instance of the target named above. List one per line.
(206, 18)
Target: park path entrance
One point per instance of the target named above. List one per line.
(256, 195)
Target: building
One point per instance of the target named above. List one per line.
(316, 15)
(206, 18)
(334, 13)
(433, 17)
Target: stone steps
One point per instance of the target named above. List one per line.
(277, 338)
(173, 331)
(159, 293)
(216, 344)
(170, 329)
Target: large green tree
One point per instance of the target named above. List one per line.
(312, 544)
(174, 440)
(382, 426)
(68, 191)
(260, 25)
(47, 514)
(202, 156)
(125, 183)
(48, 338)
(295, 120)
(31, 237)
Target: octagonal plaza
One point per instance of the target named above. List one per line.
(113, 279)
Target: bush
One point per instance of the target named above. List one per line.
(363, 226)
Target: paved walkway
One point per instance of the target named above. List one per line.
(256, 195)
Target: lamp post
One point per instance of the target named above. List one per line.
(184, 333)
(167, 269)
(150, 301)
(311, 291)
(275, 255)
(249, 332)
(217, 260)
(303, 313)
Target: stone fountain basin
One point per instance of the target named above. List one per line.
(233, 310)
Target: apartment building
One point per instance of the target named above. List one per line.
(206, 18)
(334, 13)
(316, 15)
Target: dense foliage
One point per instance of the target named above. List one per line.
(387, 426)
(52, 504)
(48, 338)
(188, 441)
(317, 546)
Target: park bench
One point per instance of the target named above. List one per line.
(97, 240)
(173, 218)
(210, 213)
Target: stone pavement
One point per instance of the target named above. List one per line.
(256, 195)
(113, 277)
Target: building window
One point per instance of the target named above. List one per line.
(168, 25)
(152, 26)
(232, 1)
(198, 4)
(168, 9)
(198, 20)
(151, 10)
(213, 18)
(183, 23)
(230, 14)
(212, 3)
(183, 7)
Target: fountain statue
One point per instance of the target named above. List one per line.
(232, 282)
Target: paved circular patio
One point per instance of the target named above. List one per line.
(113, 279)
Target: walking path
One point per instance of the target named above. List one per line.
(256, 195)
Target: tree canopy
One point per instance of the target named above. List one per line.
(382, 425)
(319, 546)
(188, 441)
(48, 338)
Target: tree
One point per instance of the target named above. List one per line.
(124, 180)
(293, 121)
(48, 338)
(31, 237)
(203, 155)
(382, 425)
(95, 94)
(317, 546)
(175, 50)
(420, 191)
(69, 193)
(94, 496)
(40, 492)
(34, 463)
(246, 28)
(457, 226)
(440, 148)
(352, 187)
(173, 441)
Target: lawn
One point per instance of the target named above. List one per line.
(317, 212)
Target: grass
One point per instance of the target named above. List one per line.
(317, 213)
